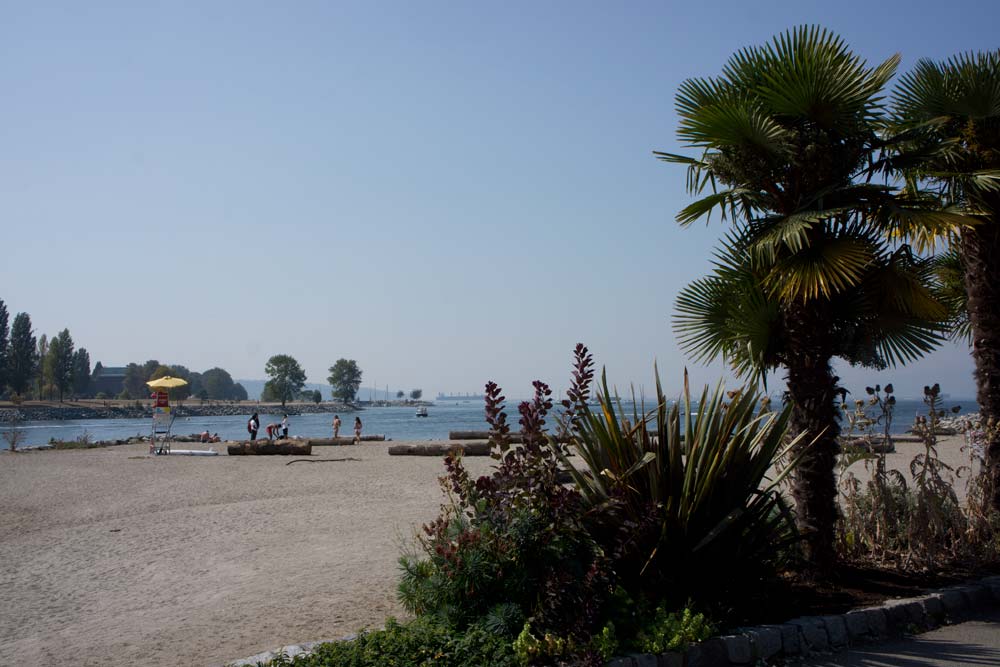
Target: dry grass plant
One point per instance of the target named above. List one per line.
(915, 523)
(14, 435)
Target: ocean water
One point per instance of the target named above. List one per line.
(396, 423)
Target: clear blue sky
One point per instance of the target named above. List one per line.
(446, 192)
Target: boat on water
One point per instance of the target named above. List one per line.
(421, 412)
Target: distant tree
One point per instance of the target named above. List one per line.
(180, 393)
(287, 377)
(42, 357)
(218, 383)
(400, 394)
(202, 394)
(49, 367)
(317, 397)
(134, 383)
(416, 394)
(81, 372)
(4, 346)
(61, 351)
(195, 384)
(149, 368)
(22, 357)
(239, 393)
(345, 378)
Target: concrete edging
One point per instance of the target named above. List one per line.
(796, 638)
(813, 634)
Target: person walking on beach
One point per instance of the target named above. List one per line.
(253, 426)
(357, 430)
(336, 426)
(284, 426)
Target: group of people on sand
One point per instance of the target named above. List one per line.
(357, 428)
(274, 431)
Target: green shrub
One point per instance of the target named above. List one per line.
(415, 644)
(672, 631)
(695, 487)
(550, 648)
(511, 546)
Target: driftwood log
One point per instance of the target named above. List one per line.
(270, 448)
(485, 435)
(467, 449)
(345, 440)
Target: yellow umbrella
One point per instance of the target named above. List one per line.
(166, 382)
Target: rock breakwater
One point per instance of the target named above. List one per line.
(138, 411)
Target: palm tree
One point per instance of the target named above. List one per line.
(790, 131)
(951, 111)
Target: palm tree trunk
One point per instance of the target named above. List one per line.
(981, 251)
(812, 387)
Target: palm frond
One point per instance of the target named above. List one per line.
(789, 231)
(729, 203)
(949, 269)
(733, 122)
(820, 271)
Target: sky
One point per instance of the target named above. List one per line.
(446, 192)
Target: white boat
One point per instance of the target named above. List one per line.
(421, 412)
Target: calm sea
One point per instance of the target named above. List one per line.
(396, 423)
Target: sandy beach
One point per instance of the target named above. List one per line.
(112, 557)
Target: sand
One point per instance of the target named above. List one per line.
(111, 557)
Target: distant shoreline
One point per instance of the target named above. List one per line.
(98, 409)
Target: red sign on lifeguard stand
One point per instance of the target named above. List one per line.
(161, 399)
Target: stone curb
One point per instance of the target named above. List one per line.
(811, 634)
(798, 637)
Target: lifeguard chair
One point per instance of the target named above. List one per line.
(163, 416)
(163, 420)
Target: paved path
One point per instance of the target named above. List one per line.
(971, 643)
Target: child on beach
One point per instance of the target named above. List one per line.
(336, 426)
(273, 431)
(357, 430)
(284, 426)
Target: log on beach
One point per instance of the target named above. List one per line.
(345, 440)
(467, 449)
(270, 448)
(485, 435)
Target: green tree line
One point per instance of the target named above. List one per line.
(48, 368)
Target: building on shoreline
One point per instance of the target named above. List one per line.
(108, 379)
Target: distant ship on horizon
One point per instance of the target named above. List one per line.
(460, 397)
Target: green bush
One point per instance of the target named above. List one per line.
(415, 644)
(672, 631)
(512, 546)
(696, 487)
